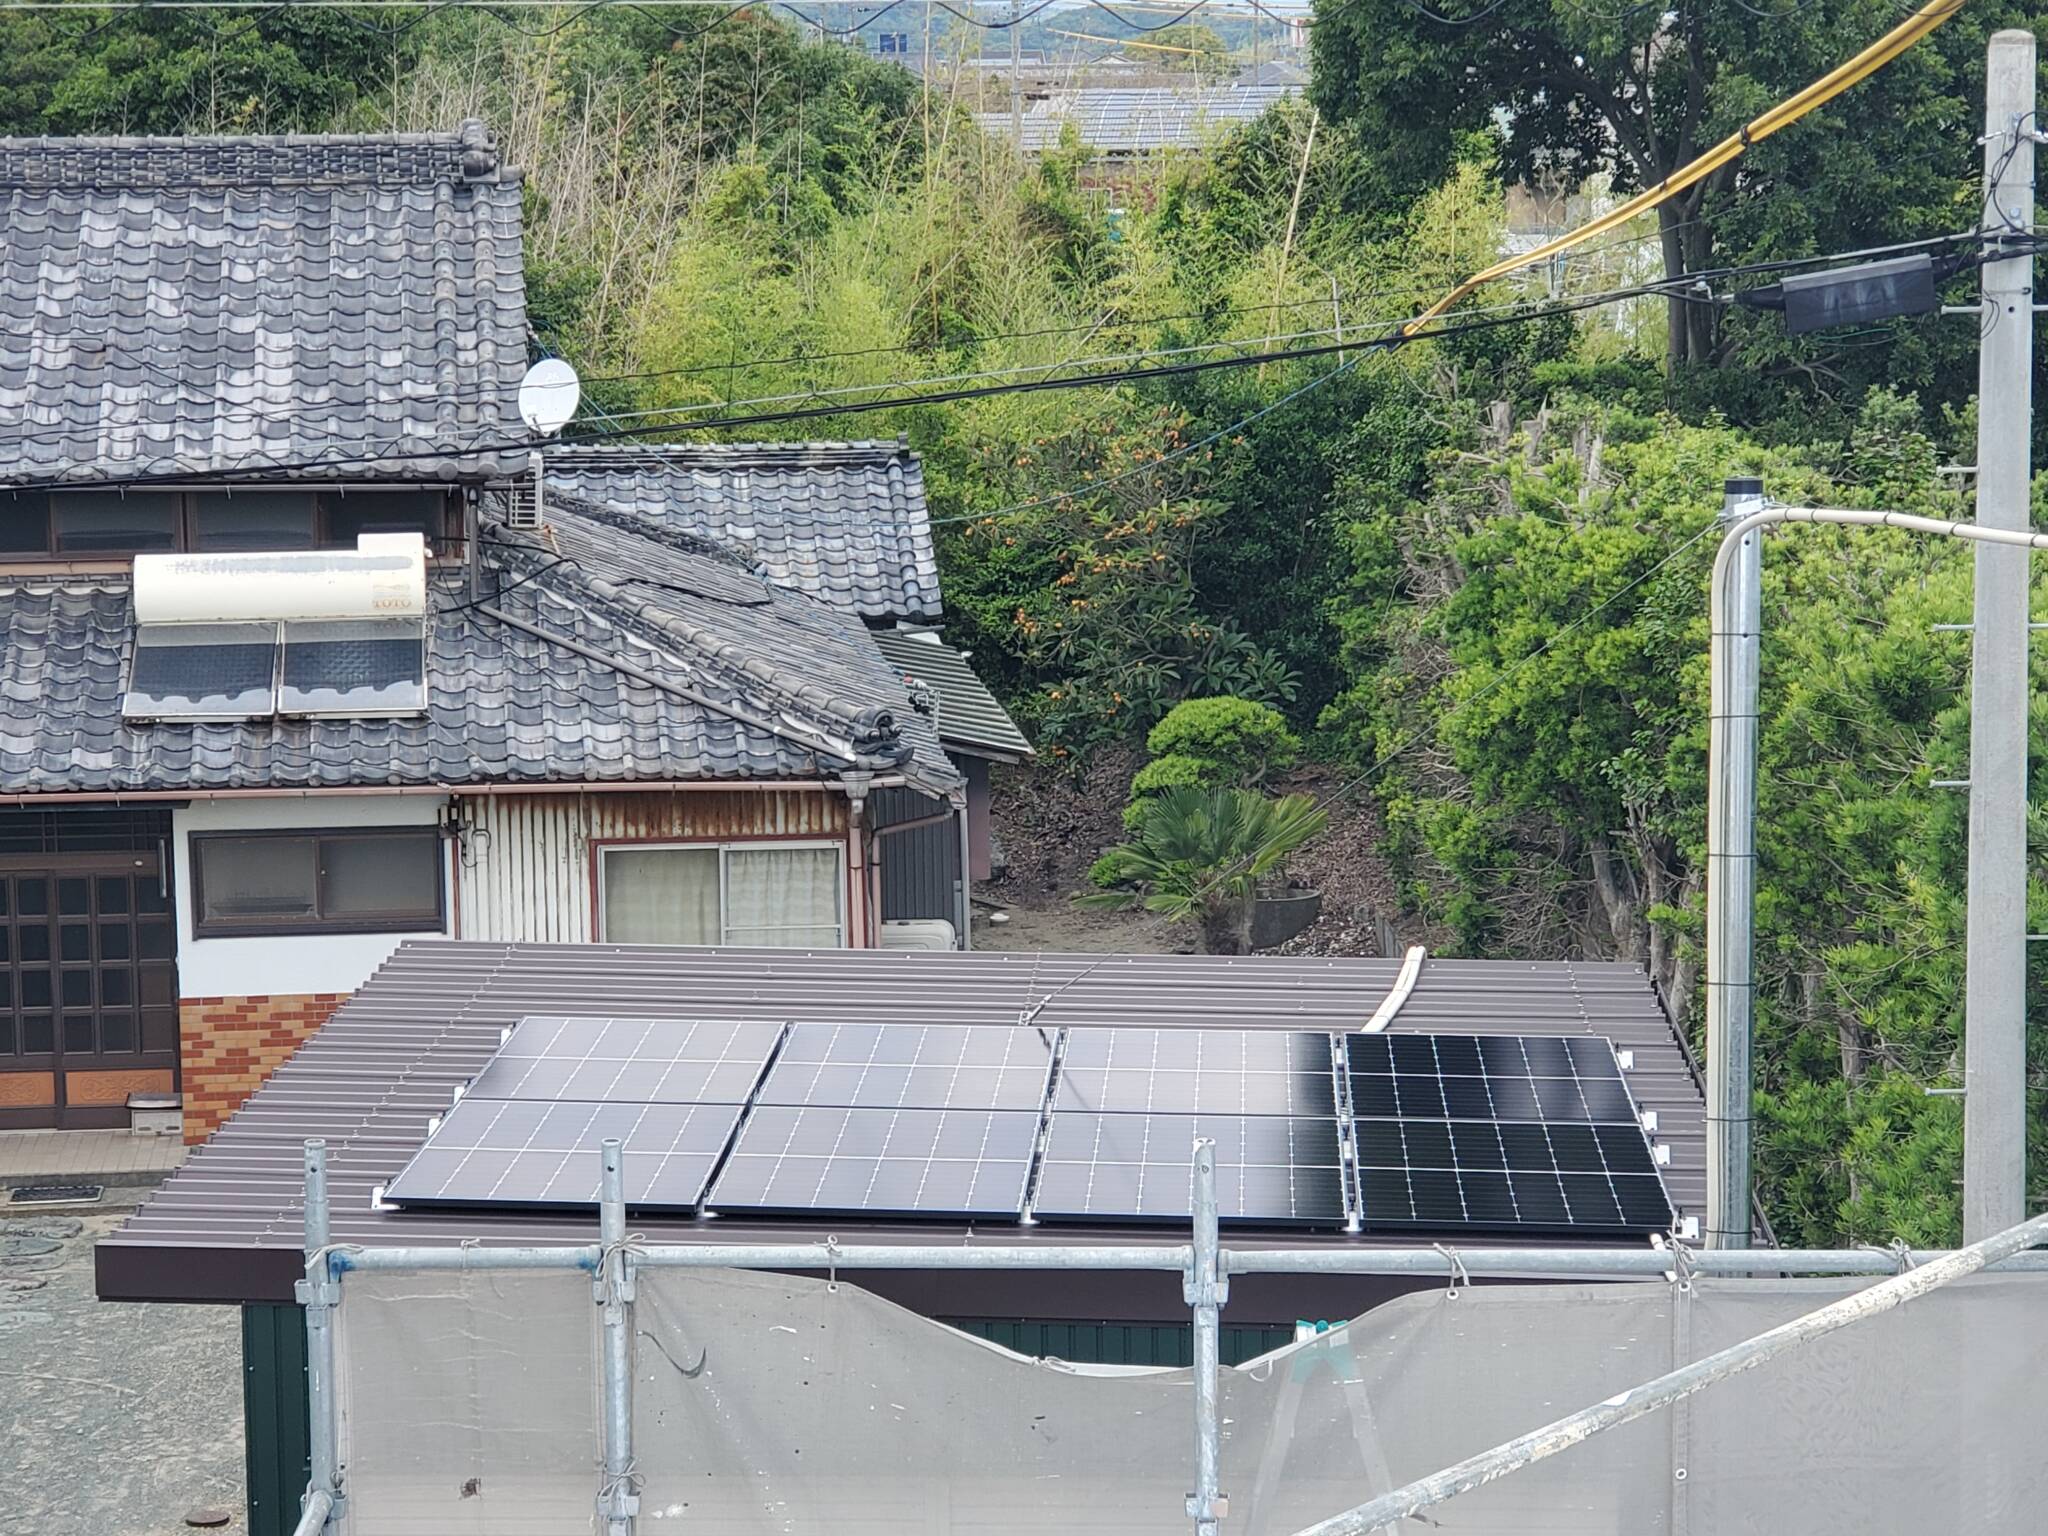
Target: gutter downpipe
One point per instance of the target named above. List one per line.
(858, 935)
(1735, 628)
(1731, 830)
(966, 901)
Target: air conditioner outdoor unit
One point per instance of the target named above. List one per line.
(525, 508)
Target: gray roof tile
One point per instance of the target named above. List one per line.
(845, 522)
(178, 306)
(968, 715)
(504, 706)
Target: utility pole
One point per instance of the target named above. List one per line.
(1017, 84)
(1995, 1019)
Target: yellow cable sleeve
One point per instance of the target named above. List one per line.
(1786, 112)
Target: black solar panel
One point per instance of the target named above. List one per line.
(354, 667)
(202, 672)
(525, 1152)
(893, 1162)
(1499, 1131)
(1190, 1071)
(649, 1061)
(1270, 1169)
(890, 1066)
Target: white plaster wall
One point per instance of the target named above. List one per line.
(294, 963)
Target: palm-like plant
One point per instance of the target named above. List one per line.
(1200, 854)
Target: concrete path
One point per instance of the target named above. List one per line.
(115, 1419)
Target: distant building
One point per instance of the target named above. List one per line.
(1120, 123)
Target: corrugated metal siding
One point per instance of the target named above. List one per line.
(525, 871)
(920, 869)
(1120, 1343)
(277, 1435)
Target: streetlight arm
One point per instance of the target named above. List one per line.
(1735, 619)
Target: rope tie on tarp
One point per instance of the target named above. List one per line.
(1460, 1279)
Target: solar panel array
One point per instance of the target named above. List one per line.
(1366, 1132)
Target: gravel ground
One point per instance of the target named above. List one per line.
(116, 1419)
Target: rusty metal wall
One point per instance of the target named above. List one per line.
(525, 869)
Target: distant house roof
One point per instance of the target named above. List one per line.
(176, 306)
(969, 717)
(1139, 120)
(778, 686)
(845, 522)
(227, 1226)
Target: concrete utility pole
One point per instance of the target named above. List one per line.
(1995, 1023)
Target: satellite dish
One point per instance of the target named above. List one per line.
(548, 396)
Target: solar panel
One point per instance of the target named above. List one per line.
(525, 1152)
(354, 667)
(888, 1066)
(879, 1162)
(1270, 1169)
(649, 1061)
(202, 672)
(1501, 1131)
(1190, 1071)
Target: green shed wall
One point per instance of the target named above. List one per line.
(274, 1416)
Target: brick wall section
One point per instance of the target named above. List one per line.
(228, 1045)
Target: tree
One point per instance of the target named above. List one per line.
(1200, 855)
(1573, 92)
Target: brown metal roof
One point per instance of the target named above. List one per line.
(227, 1226)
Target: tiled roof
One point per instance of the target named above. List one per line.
(173, 306)
(780, 686)
(227, 1226)
(968, 715)
(845, 522)
(1117, 120)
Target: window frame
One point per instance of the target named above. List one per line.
(723, 847)
(395, 922)
(327, 498)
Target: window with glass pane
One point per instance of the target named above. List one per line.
(358, 512)
(113, 522)
(253, 520)
(392, 877)
(24, 523)
(782, 898)
(765, 895)
(661, 895)
(255, 881)
(374, 881)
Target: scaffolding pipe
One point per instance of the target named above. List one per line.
(618, 1500)
(1623, 1407)
(1735, 616)
(319, 1293)
(1206, 1290)
(1435, 1262)
(319, 1504)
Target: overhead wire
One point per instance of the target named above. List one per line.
(1858, 68)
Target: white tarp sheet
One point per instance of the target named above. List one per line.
(766, 1404)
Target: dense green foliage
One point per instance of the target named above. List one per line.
(1468, 575)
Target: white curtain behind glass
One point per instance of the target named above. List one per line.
(661, 895)
(783, 898)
